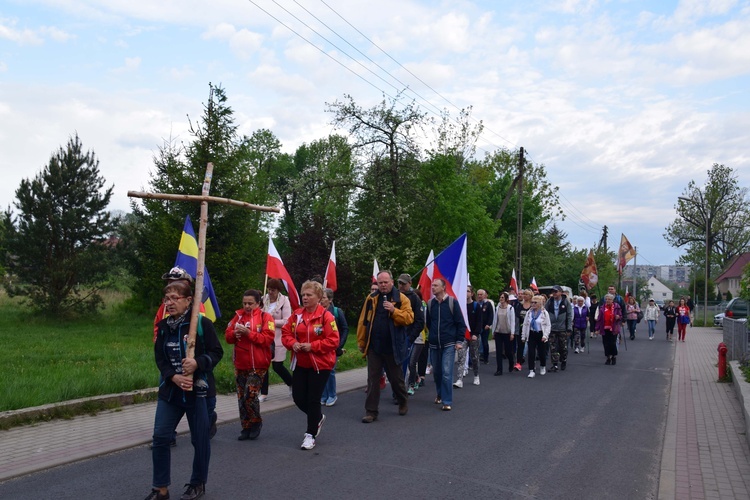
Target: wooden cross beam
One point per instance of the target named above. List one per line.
(204, 199)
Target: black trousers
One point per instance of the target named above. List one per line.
(609, 340)
(307, 388)
(376, 363)
(537, 348)
(504, 349)
(281, 371)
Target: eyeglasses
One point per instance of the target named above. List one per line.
(172, 298)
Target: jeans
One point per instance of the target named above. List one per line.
(307, 387)
(168, 415)
(330, 389)
(651, 328)
(631, 327)
(442, 359)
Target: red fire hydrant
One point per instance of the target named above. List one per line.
(722, 361)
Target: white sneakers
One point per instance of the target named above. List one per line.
(262, 397)
(458, 383)
(532, 374)
(543, 371)
(309, 442)
(577, 350)
(476, 380)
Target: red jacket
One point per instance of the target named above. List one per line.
(319, 329)
(252, 351)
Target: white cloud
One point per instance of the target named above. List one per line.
(131, 65)
(243, 42)
(3, 67)
(23, 36)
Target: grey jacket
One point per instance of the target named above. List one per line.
(563, 321)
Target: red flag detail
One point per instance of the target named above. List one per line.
(330, 279)
(275, 269)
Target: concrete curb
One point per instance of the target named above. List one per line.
(742, 388)
(51, 411)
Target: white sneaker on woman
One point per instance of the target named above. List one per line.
(309, 442)
(543, 371)
(532, 374)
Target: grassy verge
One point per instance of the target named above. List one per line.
(48, 361)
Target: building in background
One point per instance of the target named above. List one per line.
(729, 279)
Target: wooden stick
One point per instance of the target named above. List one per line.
(198, 295)
(202, 198)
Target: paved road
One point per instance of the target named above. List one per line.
(593, 431)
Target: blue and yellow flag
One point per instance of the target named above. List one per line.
(187, 258)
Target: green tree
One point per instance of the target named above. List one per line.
(236, 240)
(56, 249)
(717, 213)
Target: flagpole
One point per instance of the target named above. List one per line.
(198, 294)
(265, 284)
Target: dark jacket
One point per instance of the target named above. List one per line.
(208, 353)
(446, 327)
(413, 330)
(474, 312)
(400, 318)
(487, 316)
(343, 326)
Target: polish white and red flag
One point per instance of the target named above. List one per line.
(375, 271)
(330, 279)
(514, 283)
(533, 285)
(425, 280)
(275, 269)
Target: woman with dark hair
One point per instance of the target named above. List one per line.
(670, 312)
(312, 336)
(184, 386)
(277, 305)
(329, 396)
(251, 331)
(504, 328)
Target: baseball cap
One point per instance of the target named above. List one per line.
(404, 278)
(557, 288)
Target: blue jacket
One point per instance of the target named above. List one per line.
(445, 327)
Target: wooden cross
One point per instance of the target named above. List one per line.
(204, 198)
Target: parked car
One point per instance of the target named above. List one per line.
(659, 303)
(736, 309)
(719, 319)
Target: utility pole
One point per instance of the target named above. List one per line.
(519, 219)
(603, 241)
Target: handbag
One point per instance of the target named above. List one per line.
(639, 316)
(685, 319)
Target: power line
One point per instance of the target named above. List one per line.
(411, 73)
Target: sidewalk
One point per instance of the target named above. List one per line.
(705, 454)
(32, 448)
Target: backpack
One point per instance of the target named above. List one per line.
(451, 301)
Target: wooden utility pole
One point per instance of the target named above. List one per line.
(519, 220)
(204, 199)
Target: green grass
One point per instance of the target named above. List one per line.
(48, 361)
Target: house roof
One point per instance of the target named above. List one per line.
(734, 270)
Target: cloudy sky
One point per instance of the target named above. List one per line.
(624, 102)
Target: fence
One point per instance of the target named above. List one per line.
(737, 339)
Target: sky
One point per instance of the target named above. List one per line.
(624, 102)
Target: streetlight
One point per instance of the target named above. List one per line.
(705, 284)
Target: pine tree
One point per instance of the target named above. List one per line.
(56, 251)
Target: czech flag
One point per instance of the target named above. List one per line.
(330, 280)
(450, 266)
(425, 281)
(514, 283)
(275, 269)
(187, 258)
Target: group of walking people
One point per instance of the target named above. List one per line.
(397, 332)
